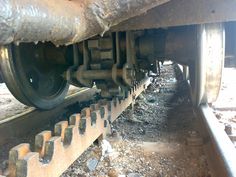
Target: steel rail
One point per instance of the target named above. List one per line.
(225, 152)
(219, 149)
(21, 124)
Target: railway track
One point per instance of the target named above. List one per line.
(23, 123)
(68, 140)
(55, 152)
(218, 146)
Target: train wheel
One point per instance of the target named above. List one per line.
(206, 72)
(31, 78)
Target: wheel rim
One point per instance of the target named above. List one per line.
(32, 80)
(206, 72)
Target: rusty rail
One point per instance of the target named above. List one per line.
(55, 152)
(23, 124)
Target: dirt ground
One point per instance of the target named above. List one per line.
(157, 140)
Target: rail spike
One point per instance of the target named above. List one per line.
(54, 154)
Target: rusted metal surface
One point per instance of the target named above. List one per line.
(55, 153)
(182, 12)
(24, 123)
(63, 21)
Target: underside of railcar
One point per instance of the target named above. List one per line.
(48, 45)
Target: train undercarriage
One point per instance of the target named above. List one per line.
(39, 73)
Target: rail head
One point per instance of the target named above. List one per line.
(224, 147)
